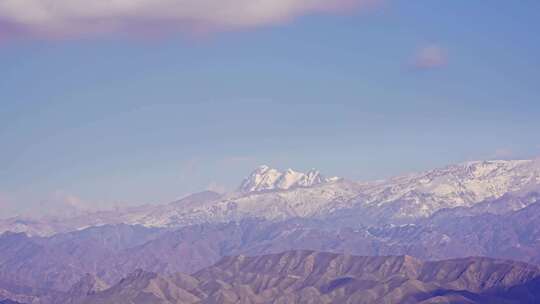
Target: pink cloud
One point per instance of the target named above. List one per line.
(8, 207)
(430, 57)
(59, 203)
(4, 201)
(502, 153)
(67, 199)
(76, 18)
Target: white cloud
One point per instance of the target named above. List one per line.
(60, 18)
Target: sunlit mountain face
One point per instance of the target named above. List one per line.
(269, 152)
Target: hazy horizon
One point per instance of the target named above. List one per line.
(148, 109)
(269, 151)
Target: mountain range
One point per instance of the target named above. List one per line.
(485, 208)
(109, 252)
(273, 195)
(319, 277)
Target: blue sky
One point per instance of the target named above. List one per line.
(405, 86)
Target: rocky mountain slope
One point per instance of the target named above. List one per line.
(110, 252)
(315, 277)
(8, 301)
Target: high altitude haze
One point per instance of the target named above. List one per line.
(104, 106)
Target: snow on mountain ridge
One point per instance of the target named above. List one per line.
(413, 196)
(265, 178)
(454, 186)
(270, 194)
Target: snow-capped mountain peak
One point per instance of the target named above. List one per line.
(461, 185)
(402, 199)
(264, 178)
